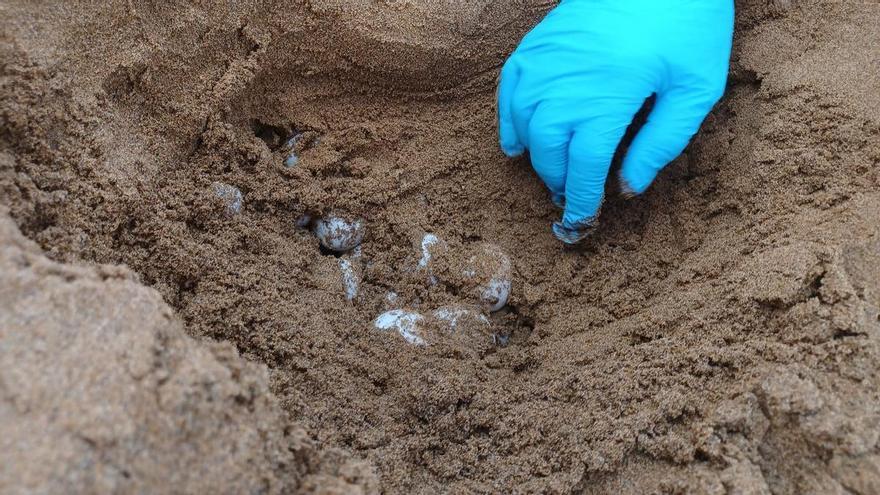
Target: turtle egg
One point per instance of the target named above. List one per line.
(454, 316)
(350, 280)
(231, 197)
(428, 241)
(303, 221)
(392, 299)
(406, 323)
(339, 234)
(291, 160)
(430, 245)
(490, 269)
(496, 292)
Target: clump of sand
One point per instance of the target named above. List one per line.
(103, 393)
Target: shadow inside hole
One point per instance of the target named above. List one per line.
(329, 252)
(274, 136)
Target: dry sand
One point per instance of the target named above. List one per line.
(717, 335)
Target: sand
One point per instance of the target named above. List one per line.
(103, 393)
(718, 334)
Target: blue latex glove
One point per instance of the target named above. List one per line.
(574, 84)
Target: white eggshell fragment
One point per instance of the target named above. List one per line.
(491, 269)
(406, 323)
(231, 197)
(350, 280)
(339, 234)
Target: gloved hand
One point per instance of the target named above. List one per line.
(574, 84)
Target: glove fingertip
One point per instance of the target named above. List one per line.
(571, 235)
(635, 180)
(512, 150)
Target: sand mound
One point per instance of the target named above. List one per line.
(103, 393)
(717, 335)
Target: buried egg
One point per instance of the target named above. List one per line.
(337, 277)
(496, 292)
(339, 234)
(490, 270)
(230, 196)
(350, 280)
(392, 299)
(431, 245)
(468, 325)
(406, 323)
(291, 160)
(453, 317)
(428, 243)
(303, 221)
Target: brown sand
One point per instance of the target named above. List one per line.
(103, 393)
(717, 335)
